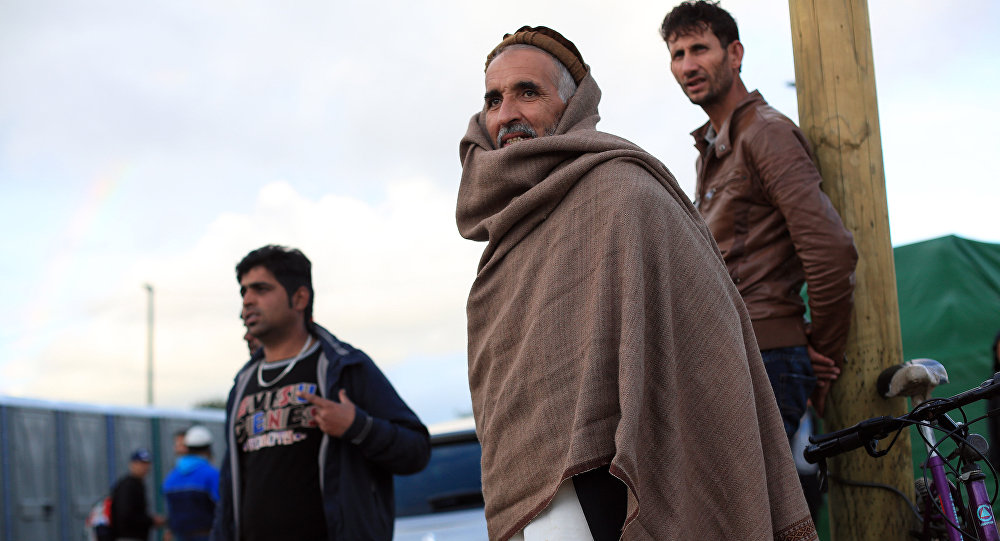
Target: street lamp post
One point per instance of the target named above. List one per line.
(149, 344)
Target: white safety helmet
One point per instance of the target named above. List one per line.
(198, 436)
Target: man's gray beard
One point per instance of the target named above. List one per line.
(519, 126)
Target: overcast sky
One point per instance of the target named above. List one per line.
(160, 141)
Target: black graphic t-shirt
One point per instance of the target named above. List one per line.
(278, 442)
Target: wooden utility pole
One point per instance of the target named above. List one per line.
(835, 81)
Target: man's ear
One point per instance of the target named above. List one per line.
(735, 50)
(301, 298)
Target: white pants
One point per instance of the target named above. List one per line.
(562, 520)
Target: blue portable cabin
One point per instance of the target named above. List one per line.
(57, 459)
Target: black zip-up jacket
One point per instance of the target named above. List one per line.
(129, 512)
(356, 469)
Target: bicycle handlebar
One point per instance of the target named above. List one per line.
(841, 441)
(934, 408)
(876, 428)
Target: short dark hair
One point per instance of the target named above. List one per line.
(695, 16)
(290, 267)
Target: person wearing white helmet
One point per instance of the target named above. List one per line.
(192, 488)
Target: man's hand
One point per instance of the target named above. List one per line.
(826, 372)
(333, 418)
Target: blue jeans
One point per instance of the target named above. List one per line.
(792, 381)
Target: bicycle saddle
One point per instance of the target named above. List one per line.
(915, 378)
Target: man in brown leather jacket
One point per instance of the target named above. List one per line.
(759, 191)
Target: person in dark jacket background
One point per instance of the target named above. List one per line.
(192, 488)
(992, 404)
(314, 430)
(130, 518)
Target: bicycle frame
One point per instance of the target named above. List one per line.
(940, 488)
(974, 481)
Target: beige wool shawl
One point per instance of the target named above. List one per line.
(604, 329)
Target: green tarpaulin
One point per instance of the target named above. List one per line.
(949, 308)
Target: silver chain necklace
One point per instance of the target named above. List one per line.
(288, 367)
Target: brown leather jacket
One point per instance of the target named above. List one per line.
(759, 191)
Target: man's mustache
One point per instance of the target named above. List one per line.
(513, 128)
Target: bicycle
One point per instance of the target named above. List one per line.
(945, 514)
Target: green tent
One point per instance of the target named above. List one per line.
(949, 308)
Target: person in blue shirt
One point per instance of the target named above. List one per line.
(192, 489)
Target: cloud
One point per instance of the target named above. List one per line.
(391, 277)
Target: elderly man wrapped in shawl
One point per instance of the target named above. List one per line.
(616, 383)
